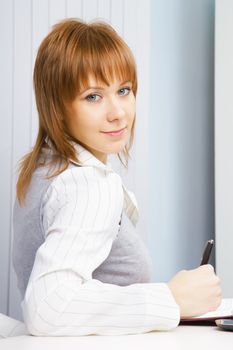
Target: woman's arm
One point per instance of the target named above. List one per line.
(81, 212)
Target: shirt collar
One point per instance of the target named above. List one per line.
(86, 158)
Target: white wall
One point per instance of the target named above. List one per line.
(23, 24)
(224, 143)
(181, 136)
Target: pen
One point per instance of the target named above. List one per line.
(207, 251)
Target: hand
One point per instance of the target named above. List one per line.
(196, 291)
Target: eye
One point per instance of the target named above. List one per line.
(124, 91)
(93, 98)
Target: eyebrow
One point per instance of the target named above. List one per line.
(101, 88)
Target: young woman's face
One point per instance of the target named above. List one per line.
(99, 110)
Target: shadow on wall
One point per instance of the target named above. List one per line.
(181, 134)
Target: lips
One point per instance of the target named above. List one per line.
(116, 133)
(113, 132)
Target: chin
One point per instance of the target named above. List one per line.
(117, 149)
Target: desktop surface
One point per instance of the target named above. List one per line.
(181, 338)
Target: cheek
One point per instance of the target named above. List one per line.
(132, 104)
(132, 110)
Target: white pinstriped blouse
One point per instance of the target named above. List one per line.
(79, 271)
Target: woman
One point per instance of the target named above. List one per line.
(81, 267)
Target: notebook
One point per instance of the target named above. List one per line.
(225, 310)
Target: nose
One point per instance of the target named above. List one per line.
(115, 109)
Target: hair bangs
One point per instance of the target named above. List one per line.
(105, 60)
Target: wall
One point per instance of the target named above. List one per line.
(224, 143)
(181, 137)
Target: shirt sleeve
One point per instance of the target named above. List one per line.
(80, 216)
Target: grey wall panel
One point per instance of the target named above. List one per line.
(75, 8)
(224, 144)
(104, 9)
(90, 9)
(21, 128)
(6, 117)
(181, 134)
(57, 11)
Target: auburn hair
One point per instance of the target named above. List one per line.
(72, 52)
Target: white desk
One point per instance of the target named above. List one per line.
(181, 338)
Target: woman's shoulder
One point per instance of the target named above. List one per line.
(53, 166)
(58, 180)
(85, 180)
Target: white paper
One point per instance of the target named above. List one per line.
(224, 310)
